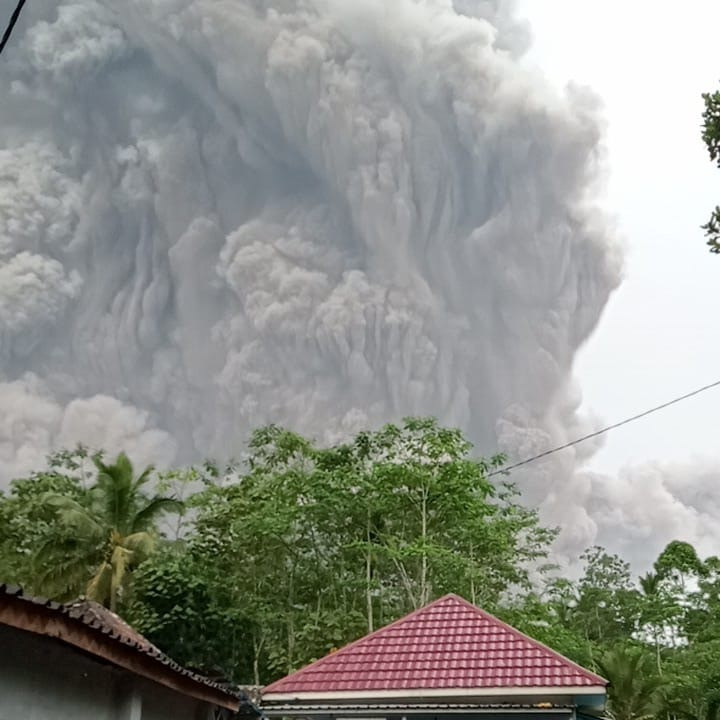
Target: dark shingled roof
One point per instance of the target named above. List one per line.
(107, 624)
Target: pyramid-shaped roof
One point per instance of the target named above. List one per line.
(446, 646)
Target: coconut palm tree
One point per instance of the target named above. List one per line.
(103, 535)
(634, 683)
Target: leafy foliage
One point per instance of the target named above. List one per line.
(711, 138)
(27, 522)
(634, 682)
(382, 524)
(271, 563)
(64, 536)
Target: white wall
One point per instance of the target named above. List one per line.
(44, 679)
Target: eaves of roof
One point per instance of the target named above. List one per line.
(96, 631)
(369, 710)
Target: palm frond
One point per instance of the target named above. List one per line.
(115, 485)
(62, 577)
(61, 502)
(143, 478)
(634, 685)
(100, 536)
(82, 525)
(140, 544)
(157, 506)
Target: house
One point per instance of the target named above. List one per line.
(80, 661)
(448, 659)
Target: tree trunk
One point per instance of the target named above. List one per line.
(473, 598)
(424, 594)
(368, 576)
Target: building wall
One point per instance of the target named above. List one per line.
(44, 679)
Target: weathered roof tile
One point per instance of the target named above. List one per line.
(101, 620)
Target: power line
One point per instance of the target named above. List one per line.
(13, 19)
(529, 460)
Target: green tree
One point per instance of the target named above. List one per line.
(585, 618)
(658, 613)
(702, 614)
(711, 138)
(310, 547)
(691, 682)
(550, 615)
(692, 666)
(303, 548)
(432, 521)
(27, 523)
(678, 562)
(607, 606)
(634, 685)
(101, 534)
(677, 570)
(182, 605)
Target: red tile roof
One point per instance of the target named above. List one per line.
(449, 644)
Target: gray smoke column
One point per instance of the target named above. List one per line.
(323, 213)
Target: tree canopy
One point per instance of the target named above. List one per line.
(711, 138)
(274, 561)
(63, 536)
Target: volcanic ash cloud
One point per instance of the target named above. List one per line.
(321, 213)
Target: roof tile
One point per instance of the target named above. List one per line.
(447, 644)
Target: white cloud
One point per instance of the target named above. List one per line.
(33, 423)
(647, 505)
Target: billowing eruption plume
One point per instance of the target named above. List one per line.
(322, 213)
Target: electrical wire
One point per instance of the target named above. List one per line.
(11, 25)
(527, 461)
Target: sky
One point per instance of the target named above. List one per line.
(649, 62)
